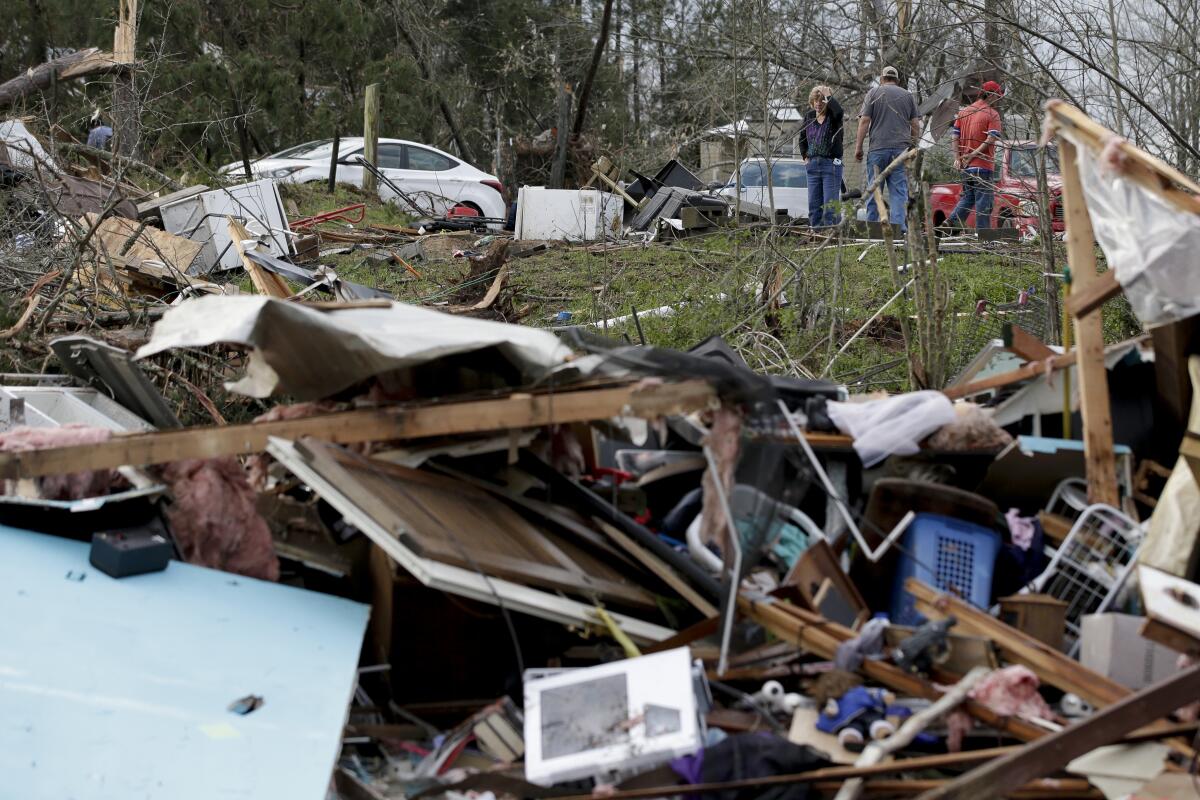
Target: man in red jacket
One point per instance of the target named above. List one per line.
(976, 132)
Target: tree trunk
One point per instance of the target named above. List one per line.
(39, 78)
(597, 52)
(558, 171)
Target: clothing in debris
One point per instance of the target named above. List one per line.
(99, 136)
(749, 755)
(893, 425)
(868, 644)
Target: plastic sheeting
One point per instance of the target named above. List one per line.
(1150, 244)
(893, 425)
(21, 148)
(311, 354)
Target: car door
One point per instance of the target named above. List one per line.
(429, 173)
(390, 160)
(348, 169)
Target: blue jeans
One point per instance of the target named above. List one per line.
(897, 185)
(824, 189)
(977, 192)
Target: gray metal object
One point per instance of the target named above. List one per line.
(98, 363)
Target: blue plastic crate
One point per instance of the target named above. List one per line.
(949, 554)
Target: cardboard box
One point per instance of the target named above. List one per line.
(1111, 645)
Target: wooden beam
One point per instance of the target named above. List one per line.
(387, 423)
(1152, 173)
(1030, 370)
(1189, 448)
(1038, 759)
(1018, 647)
(1045, 789)
(1084, 301)
(819, 777)
(1025, 344)
(815, 634)
(1094, 403)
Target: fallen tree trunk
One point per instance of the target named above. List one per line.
(39, 78)
(122, 162)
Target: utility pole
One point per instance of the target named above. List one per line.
(371, 136)
(126, 111)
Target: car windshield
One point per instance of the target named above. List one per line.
(322, 148)
(784, 175)
(1023, 162)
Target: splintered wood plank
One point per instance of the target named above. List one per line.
(388, 423)
(266, 282)
(1025, 344)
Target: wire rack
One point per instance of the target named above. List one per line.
(1091, 566)
(1023, 306)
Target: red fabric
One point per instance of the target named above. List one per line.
(993, 87)
(973, 124)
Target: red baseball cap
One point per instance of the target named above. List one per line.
(993, 87)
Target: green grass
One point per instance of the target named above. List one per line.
(713, 283)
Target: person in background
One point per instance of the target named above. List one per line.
(889, 117)
(100, 134)
(821, 145)
(976, 132)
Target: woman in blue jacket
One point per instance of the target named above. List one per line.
(821, 145)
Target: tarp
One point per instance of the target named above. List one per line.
(310, 354)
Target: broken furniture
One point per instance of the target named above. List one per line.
(1040, 615)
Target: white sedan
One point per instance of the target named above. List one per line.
(436, 181)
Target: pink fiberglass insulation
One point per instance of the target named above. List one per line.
(75, 485)
(1010, 692)
(215, 520)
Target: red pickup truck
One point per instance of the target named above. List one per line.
(1016, 198)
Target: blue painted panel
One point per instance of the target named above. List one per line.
(119, 688)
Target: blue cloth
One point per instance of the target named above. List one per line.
(98, 137)
(824, 188)
(896, 182)
(854, 704)
(977, 193)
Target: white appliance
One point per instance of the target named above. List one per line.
(574, 215)
(618, 716)
(203, 218)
